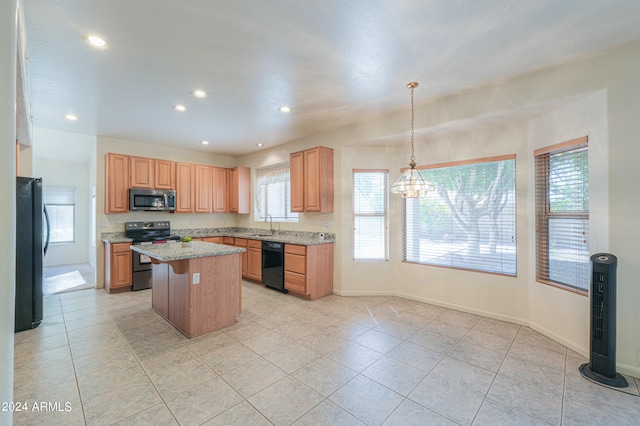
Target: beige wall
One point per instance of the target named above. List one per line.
(8, 195)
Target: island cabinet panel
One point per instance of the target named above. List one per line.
(117, 268)
(202, 189)
(254, 260)
(117, 179)
(141, 172)
(179, 288)
(308, 270)
(184, 187)
(239, 190)
(198, 308)
(164, 174)
(160, 292)
(220, 190)
(312, 181)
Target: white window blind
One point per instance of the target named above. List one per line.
(468, 221)
(274, 194)
(562, 215)
(60, 202)
(370, 215)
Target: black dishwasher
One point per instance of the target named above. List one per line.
(273, 265)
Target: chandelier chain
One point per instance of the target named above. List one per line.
(413, 158)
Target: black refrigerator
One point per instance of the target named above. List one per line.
(32, 240)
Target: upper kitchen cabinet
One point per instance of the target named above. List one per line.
(312, 180)
(220, 190)
(164, 174)
(240, 190)
(117, 187)
(203, 184)
(141, 172)
(151, 173)
(185, 180)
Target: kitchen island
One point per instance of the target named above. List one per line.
(198, 289)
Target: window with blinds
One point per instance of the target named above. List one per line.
(468, 221)
(274, 195)
(562, 215)
(61, 203)
(370, 215)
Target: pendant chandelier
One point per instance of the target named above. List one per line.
(411, 184)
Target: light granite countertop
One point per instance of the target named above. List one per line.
(287, 237)
(174, 250)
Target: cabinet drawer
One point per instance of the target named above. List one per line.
(254, 243)
(294, 263)
(295, 282)
(228, 240)
(295, 249)
(216, 240)
(120, 247)
(241, 242)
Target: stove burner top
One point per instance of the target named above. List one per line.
(149, 232)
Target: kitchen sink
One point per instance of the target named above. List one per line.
(261, 235)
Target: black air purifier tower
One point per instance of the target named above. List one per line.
(602, 343)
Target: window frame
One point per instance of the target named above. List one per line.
(60, 192)
(457, 164)
(542, 217)
(294, 218)
(385, 214)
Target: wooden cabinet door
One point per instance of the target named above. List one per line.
(242, 242)
(202, 189)
(296, 170)
(164, 174)
(312, 180)
(254, 261)
(117, 183)
(141, 172)
(220, 190)
(184, 187)
(239, 190)
(121, 268)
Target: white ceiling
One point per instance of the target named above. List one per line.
(333, 61)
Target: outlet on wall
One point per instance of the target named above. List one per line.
(421, 279)
(196, 278)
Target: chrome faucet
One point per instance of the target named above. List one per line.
(268, 216)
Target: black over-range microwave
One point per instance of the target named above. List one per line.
(152, 199)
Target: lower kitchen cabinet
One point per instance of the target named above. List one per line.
(308, 270)
(254, 260)
(117, 267)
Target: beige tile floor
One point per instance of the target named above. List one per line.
(334, 361)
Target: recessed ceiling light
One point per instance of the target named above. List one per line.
(259, 145)
(180, 108)
(71, 117)
(285, 108)
(204, 142)
(96, 41)
(199, 93)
